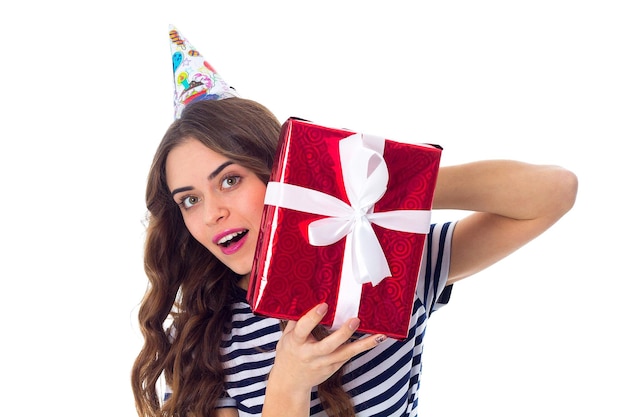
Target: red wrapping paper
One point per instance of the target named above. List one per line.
(290, 275)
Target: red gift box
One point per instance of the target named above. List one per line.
(345, 220)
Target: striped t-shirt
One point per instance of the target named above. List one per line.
(383, 381)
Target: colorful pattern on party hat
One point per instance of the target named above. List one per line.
(194, 78)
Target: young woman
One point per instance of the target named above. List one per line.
(205, 198)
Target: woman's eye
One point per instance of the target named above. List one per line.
(230, 181)
(189, 201)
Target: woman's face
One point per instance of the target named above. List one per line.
(221, 202)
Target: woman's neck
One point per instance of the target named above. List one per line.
(244, 282)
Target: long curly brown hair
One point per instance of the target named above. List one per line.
(188, 287)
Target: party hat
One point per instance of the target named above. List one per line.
(194, 78)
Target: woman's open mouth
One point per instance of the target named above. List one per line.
(231, 238)
(232, 242)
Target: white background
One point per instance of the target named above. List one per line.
(87, 94)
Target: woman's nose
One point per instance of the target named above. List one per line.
(214, 212)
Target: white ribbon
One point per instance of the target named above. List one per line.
(365, 177)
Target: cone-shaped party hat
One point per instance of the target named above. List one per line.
(194, 78)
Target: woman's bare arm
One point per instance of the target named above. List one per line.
(512, 203)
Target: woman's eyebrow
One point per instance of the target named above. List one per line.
(220, 169)
(180, 190)
(212, 175)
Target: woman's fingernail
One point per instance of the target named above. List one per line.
(380, 338)
(353, 324)
(322, 309)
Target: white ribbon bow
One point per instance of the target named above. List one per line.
(365, 177)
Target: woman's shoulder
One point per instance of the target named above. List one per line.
(248, 329)
(248, 348)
